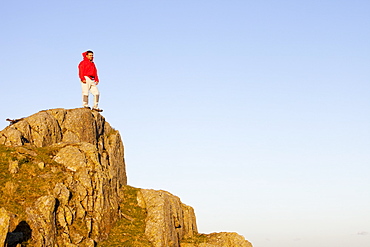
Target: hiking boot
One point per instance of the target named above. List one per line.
(97, 109)
(87, 107)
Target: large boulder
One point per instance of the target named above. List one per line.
(168, 220)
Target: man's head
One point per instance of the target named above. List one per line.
(90, 55)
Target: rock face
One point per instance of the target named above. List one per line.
(42, 218)
(83, 204)
(64, 184)
(80, 125)
(168, 221)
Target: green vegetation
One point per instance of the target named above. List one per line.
(130, 230)
(20, 190)
(196, 239)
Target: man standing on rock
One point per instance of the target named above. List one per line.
(89, 80)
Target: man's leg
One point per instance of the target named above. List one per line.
(95, 91)
(85, 93)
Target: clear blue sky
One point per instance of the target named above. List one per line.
(256, 113)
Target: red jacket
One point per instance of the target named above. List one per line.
(87, 68)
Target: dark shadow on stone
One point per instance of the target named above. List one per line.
(24, 140)
(22, 233)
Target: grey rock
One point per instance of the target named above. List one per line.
(62, 193)
(13, 137)
(41, 218)
(166, 223)
(71, 158)
(44, 129)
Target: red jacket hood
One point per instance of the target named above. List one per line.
(87, 68)
(84, 56)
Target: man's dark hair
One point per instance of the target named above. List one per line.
(87, 52)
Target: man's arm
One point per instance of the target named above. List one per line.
(96, 76)
(81, 69)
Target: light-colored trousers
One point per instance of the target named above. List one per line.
(93, 88)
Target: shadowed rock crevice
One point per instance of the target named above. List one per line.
(22, 233)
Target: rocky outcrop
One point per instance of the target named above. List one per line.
(81, 125)
(170, 223)
(168, 220)
(81, 205)
(64, 184)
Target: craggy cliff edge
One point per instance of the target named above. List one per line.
(63, 183)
